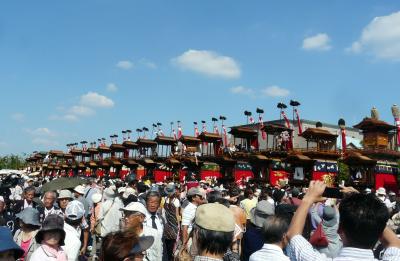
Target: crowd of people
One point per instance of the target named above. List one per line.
(197, 220)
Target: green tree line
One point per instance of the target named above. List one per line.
(12, 162)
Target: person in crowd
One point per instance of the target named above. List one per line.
(153, 215)
(294, 199)
(381, 194)
(240, 228)
(249, 202)
(110, 214)
(125, 246)
(141, 189)
(134, 218)
(64, 197)
(74, 214)
(213, 196)
(90, 189)
(213, 231)
(275, 240)
(29, 194)
(9, 250)
(330, 224)
(6, 217)
(172, 218)
(362, 222)
(49, 199)
(51, 237)
(29, 227)
(253, 239)
(196, 197)
(95, 222)
(279, 196)
(79, 191)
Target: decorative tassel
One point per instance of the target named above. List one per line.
(298, 122)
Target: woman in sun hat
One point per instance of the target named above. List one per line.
(51, 237)
(25, 236)
(64, 197)
(9, 250)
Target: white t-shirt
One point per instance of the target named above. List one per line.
(188, 215)
(72, 242)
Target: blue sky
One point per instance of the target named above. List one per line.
(80, 70)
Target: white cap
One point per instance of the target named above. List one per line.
(135, 206)
(65, 193)
(75, 210)
(96, 197)
(381, 191)
(80, 189)
(121, 190)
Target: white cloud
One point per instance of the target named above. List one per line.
(125, 65)
(70, 117)
(112, 87)
(87, 106)
(380, 38)
(44, 142)
(80, 110)
(19, 117)
(93, 99)
(42, 131)
(148, 64)
(318, 42)
(275, 91)
(242, 90)
(208, 63)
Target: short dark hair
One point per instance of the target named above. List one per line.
(248, 192)
(362, 219)
(213, 196)
(213, 242)
(141, 187)
(274, 228)
(29, 189)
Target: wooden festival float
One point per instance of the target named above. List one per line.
(264, 151)
(377, 163)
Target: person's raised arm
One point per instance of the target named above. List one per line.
(314, 194)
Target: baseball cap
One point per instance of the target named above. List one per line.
(215, 217)
(135, 207)
(75, 210)
(196, 191)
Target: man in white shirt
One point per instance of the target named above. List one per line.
(153, 216)
(274, 231)
(73, 218)
(362, 222)
(196, 197)
(134, 216)
(48, 208)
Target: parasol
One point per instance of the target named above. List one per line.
(63, 183)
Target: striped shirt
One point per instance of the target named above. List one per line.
(302, 250)
(269, 252)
